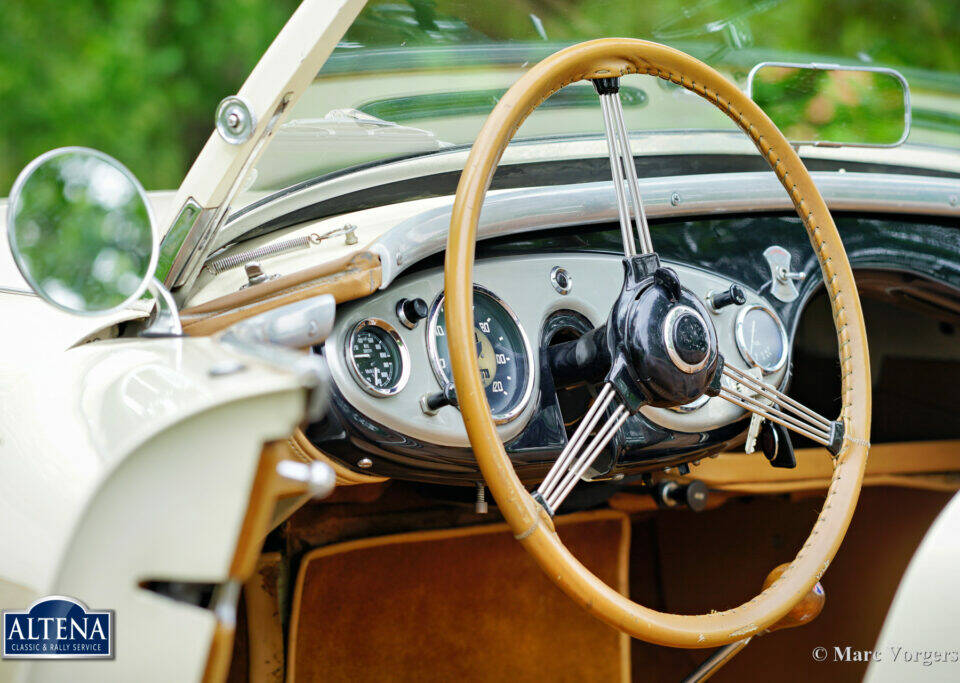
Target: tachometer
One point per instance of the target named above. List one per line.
(761, 337)
(506, 360)
(377, 358)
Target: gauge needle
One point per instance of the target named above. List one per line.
(361, 355)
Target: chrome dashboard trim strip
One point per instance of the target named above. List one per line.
(508, 212)
(647, 143)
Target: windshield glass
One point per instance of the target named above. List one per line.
(415, 77)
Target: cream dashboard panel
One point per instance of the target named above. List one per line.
(524, 284)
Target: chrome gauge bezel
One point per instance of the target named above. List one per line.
(668, 329)
(355, 371)
(742, 343)
(498, 418)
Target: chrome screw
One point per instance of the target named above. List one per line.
(350, 234)
(481, 505)
(365, 463)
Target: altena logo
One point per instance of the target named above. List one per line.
(57, 627)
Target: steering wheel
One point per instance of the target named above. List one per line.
(659, 343)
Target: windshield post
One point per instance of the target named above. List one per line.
(276, 82)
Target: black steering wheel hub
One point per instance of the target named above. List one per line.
(663, 346)
(687, 339)
(658, 347)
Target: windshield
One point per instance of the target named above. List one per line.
(416, 77)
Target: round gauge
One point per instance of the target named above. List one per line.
(377, 357)
(761, 337)
(506, 361)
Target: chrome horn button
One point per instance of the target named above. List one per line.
(686, 339)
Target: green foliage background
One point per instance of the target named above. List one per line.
(140, 79)
(137, 79)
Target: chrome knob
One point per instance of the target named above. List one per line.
(733, 295)
(411, 311)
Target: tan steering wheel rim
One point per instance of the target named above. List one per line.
(529, 522)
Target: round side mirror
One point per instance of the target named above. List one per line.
(81, 230)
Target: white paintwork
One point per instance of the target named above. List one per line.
(125, 460)
(925, 612)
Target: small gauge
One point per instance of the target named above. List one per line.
(377, 357)
(761, 337)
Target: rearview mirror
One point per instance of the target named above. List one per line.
(81, 231)
(829, 105)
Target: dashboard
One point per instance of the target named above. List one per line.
(392, 416)
(394, 407)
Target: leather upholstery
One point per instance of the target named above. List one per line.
(615, 57)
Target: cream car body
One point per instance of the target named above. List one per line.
(88, 432)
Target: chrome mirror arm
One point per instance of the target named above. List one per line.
(166, 318)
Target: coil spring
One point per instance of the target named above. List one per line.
(224, 263)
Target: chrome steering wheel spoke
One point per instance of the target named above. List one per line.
(768, 402)
(623, 169)
(581, 450)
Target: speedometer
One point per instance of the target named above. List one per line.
(761, 337)
(504, 354)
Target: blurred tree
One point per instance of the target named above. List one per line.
(138, 79)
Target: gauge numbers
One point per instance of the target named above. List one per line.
(761, 337)
(504, 355)
(377, 357)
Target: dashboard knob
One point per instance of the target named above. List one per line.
(411, 311)
(692, 495)
(734, 295)
(774, 441)
(431, 403)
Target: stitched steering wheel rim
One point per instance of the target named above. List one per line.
(613, 57)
